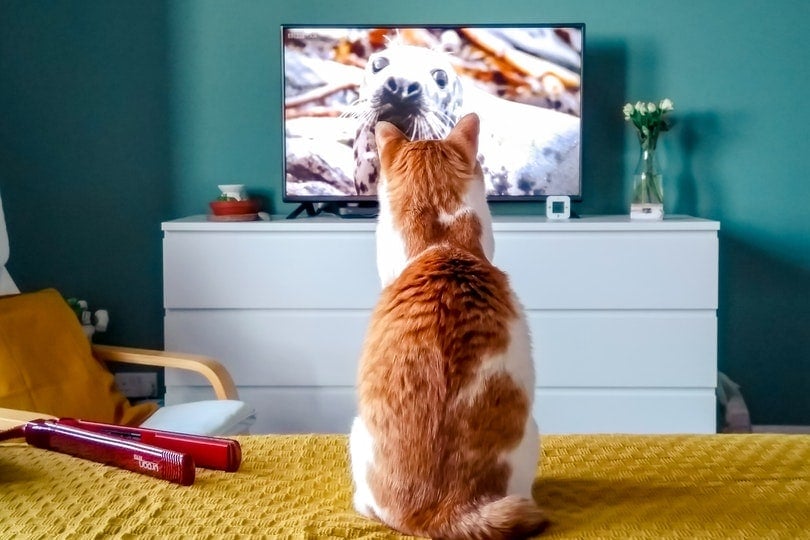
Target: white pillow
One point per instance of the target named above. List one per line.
(215, 417)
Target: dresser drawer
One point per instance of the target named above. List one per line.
(611, 270)
(628, 410)
(293, 269)
(271, 347)
(638, 349)
(332, 409)
(572, 349)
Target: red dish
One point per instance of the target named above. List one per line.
(234, 208)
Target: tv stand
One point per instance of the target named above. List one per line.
(308, 207)
(342, 209)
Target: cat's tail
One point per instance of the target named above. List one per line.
(500, 519)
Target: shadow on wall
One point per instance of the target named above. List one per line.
(695, 190)
(763, 337)
(604, 93)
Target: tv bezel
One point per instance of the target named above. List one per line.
(367, 199)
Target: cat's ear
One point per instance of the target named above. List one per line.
(465, 133)
(385, 132)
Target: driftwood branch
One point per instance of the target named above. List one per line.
(312, 112)
(519, 60)
(319, 93)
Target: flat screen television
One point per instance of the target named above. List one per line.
(523, 80)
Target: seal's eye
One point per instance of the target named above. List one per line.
(441, 78)
(378, 64)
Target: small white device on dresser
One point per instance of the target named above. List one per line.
(558, 207)
(622, 315)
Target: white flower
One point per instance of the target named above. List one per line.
(628, 110)
(649, 119)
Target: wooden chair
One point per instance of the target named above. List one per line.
(226, 415)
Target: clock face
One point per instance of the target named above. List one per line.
(558, 207)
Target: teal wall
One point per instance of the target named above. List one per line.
(115, 116)
(85, 153)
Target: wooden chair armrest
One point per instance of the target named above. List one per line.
(217, 375)
(11, 418)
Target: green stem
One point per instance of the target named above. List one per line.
(648, 189)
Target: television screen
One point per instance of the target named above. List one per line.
(524, 81)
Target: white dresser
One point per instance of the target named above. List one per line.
(622, 313)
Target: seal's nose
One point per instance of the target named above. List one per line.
(402, 90)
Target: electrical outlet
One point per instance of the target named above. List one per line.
(137, 384)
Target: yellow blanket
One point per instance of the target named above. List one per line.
(719, 486)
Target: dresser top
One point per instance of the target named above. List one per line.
(500, 223)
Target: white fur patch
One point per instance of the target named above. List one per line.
(516, 361)
(476, 198)
(361, 452)
(523, 460)
(519, 363)
(446, 218)
(391, 255)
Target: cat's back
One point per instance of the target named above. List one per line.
(442, 338)
(443, 385)
(448, 295)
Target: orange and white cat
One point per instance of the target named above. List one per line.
(444, 444)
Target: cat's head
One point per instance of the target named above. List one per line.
(431, 192)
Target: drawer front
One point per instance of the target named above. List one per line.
(273, 348)
(611, 270)
(270, 270)
(287, 409)
(571, 349)
(577, 270)
(614, 349)
(331, 410)
(625, 411)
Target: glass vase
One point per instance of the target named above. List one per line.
(648, 193)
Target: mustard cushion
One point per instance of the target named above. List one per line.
(46, 364)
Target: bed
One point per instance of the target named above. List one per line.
(298, 486)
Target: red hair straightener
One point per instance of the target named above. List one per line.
(161, 454)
